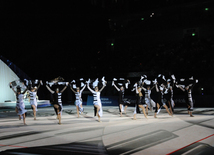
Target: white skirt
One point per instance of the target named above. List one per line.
(21, 109)
(34, 102)
(149, 102)
(100, 105)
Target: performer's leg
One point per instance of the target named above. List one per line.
(97, 112)
(170, 107)
(125, 108)
(59, 116)
(121, 110)
(77, 111)
(144, 112)
(191, 109)
(156, 110)
(34, 111)
(165, 106)
(147, 109)
(23, 115)
(134, 118)
(17, 113)
(56, 107)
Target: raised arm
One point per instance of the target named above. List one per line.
(90, 88)
(64, 88)
(156, 87)
(82, 88)
(24, 91)
(50, 89)
(12, 88)
(103, 87)
(116, 87)
(72, 90)
(152, 87)
(180, 87)
(38, 86)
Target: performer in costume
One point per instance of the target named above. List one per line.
(139, 102)
(170, 86)
(160, 100)
(57, 101)
(78, 101)
(160, 90)
(20, 106)
(150, 103)
(97, 102)
(33, 99)
(188, 96)
(121, 100)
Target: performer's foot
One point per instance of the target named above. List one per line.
(34, 118)
(25, 124)
(60, 123)
(191, 116)
(134, 118)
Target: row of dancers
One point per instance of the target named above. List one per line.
(163, 88)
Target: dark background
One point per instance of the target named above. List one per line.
(95, 38)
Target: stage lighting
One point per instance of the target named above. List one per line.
(112, 44)
(142, 18)
(193, 34)
(206, 9)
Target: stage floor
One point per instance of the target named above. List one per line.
(175, 135)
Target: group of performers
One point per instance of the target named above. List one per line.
(163, 89)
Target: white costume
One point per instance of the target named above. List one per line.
(20, 104)
(97, 100)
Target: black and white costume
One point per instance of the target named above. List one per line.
(78, 96)
(188, 89)
(33, 99)
(57, 99)
(148, 99)
(139, 100)
(121, 99)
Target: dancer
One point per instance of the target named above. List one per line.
(78, 102)
(57, 101)
(33, 99)
(97, 102)
(122, 102)
(150, 103)
(167, 95)
(20, 106)
(160, 102)
(139, 101)
(171, 100)
(188, 96)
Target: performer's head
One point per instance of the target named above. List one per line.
(57, 90)
(78, 89)
(139, 88)
(96, 89)
(121, 88)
